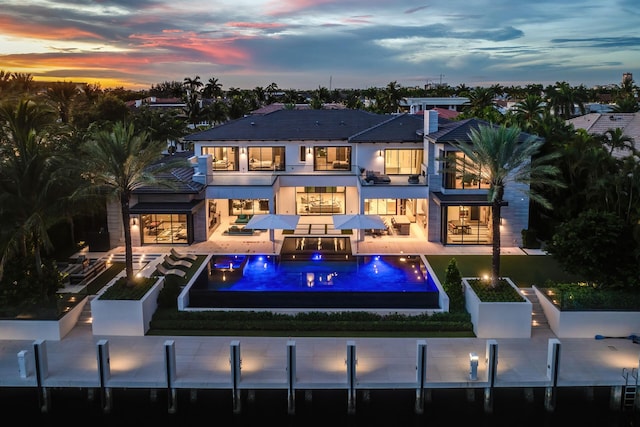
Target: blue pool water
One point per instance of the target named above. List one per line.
(386, 281)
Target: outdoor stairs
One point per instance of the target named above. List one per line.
(85, 315)
(538, 319)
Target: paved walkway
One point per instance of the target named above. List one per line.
(204, 362)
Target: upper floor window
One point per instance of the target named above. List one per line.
(224, 158)
(266, 158)
(332, 158)
(458, 175)
(403, 161)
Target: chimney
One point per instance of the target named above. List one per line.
(430, 121)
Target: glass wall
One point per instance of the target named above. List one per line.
(406, 207)
(380, 207)
(468, 224)
(331, 158)
(402, 162)
(224, 158)
(458, 175)
(248, 206)
(266, 158)
(320, 200)
(164, 228)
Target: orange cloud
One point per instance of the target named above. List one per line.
(11, 27)
(280, 7)
(217, 49)
(254, 25)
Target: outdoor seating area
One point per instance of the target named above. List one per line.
(81, 270)
(234, 230)
(375, 177)
(243, 219)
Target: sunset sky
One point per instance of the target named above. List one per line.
(305, 44)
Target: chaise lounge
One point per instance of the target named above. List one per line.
(179, 255)
(177, 263)
(173, 271)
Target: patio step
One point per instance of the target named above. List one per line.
(85, 315)
(538, 319)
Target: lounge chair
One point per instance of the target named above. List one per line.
(177, 263)
(179, 255)
(166, 271)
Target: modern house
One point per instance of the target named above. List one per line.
(323, 163)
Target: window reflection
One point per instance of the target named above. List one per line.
(468, 224)
(164, 228)
(320, 200)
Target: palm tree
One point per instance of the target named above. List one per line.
(499, 156)
(529, 112)
(213, 89)
(62, 94)
(120, 161)
(616, 139)
(32, 180)
(626, 104)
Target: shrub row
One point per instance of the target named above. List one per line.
(169, 319)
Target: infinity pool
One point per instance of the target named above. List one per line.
(262, 281)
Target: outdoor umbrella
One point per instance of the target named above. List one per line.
(358, 222)
(273, 222)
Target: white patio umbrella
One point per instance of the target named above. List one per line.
(273, 222)
(358, 222)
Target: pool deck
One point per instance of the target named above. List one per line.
(382, 363)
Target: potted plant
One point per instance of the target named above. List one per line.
(497, 311)
(121, 309)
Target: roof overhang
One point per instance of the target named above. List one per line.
(167, 208)
(462, 199)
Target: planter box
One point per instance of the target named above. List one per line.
(52, 330)
(588, 324)
(125, 317)
(498, 319)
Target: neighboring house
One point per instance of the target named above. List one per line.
(599, 124)
(332, 162)
(270, 108)
(415, 105)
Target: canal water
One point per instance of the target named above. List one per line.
(574, 407)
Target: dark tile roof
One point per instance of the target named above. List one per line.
(288, 125)
(454, 131)
(397, 128)
(181, 178)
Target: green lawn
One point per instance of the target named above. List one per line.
(524, 270)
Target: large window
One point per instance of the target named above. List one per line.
(402, 162)
(380, 207)
(164, 228)
(469, 225)
(266, 158)
(248, 206)
(456, 175)
(320, 200)
(332, 158)
(406, 207)
(224, 158)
